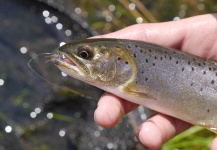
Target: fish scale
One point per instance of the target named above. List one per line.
(163, 79)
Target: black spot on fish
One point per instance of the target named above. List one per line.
(136, 46)
(117, 46)
(119, 58)
(146, 79)
(216, 74)
(149, 50)
(165, 56)
(128, 46)
(126, 62)
(192, 68)
(210, 69)
(146, 60)
(142, 72)
(100, 46)
(177, 62)
(194, 59)
(189, 62)
(161, 58)
(165, 52)
(140, 51)
(204, 63)
(170, 57)
(199, 64)
(201, 89)
(204, 72)
(208, 110)
(155, 57)
(192, 84)
(183, 69)
(134, 55)
(153, 64)
(212, 82)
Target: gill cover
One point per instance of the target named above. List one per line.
(104, 65)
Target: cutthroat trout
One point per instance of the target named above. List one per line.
(163, 79)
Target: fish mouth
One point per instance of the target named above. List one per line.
(69, 64)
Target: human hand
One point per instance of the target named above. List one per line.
(196, 35)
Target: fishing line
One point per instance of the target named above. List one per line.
(35, 58)
(49, 82)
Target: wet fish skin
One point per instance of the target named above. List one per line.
(163, 79)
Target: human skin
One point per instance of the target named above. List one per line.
(196, 35)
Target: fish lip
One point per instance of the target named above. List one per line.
(73, 63)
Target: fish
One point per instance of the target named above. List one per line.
(163, 79)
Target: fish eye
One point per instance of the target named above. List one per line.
(84, 52)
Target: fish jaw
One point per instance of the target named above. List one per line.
(70, 65)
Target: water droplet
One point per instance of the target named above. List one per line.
(45, 13)
(112, 7)
(49, 115)
(97, 133)
(48, 20)
(23, 50)
(84, 24)
(33, 114)
(8, 129)
(110, 145)
(108, 18)
(1, 82)
(77, 10)
(59, 26)
(176, 18)
(62, 133)
(54, 19)
(37, 110)
(139, 20)
(68, 32)
(132, 6)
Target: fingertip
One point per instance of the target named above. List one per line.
(106, 118)
(150, 135)
(108, 112)
(110, 109)
(159, 129)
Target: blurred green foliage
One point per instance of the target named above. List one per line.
(107, 16)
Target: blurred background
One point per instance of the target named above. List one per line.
(58, 113)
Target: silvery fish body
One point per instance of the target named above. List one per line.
(163, 79)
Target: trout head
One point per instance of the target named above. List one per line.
(98, 62)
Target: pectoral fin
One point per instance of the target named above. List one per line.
(134, 92)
